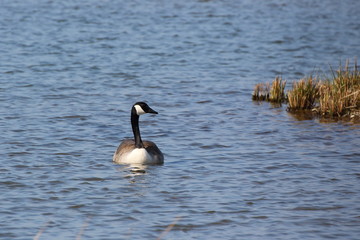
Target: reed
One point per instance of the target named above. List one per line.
(272, 93)
(261, 92)
(42, 229)
(277, 90)
(336, 96)
(340, 95)
(168, 228)
(303, 94)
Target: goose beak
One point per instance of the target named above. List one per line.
(150, 110)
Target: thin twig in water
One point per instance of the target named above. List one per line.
(168, 229)
(42, 229)
(83, 227)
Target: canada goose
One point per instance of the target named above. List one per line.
(138, 151)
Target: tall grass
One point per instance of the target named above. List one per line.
(261, 92)
(340, 95)
(336, 96)
(273, 93)
(277, 90)
(303, 94)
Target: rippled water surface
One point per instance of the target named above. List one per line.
(234, 169)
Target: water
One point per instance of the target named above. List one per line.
(234, 169)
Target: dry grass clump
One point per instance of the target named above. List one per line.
(261, 92)
(303, 94)
(273, 93)
(340, 95)
(277, 90)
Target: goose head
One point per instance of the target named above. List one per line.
(141, 108)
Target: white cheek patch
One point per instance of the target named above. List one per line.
(139, 110)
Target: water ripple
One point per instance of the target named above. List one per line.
(234, 169)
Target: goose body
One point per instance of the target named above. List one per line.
(137, 151)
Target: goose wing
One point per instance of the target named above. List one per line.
(126, 146)
(154, 151)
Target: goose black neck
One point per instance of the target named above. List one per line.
(136, 129)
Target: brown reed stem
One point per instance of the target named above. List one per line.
(83, 227)
(41, 230)
(168, 229)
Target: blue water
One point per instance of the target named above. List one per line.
(234, 169)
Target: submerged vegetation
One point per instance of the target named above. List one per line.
(337, 96)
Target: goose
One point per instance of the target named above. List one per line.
(137, 151)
